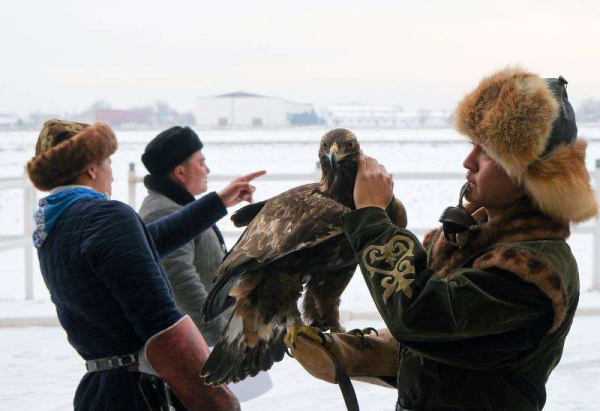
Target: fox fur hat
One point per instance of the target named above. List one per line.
(527, 125)
(65, 149)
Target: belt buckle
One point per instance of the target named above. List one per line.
(92, 366)
(131, 359)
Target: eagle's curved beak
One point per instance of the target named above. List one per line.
(334, 156)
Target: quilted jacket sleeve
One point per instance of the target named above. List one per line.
(118, 248)
(179, 228)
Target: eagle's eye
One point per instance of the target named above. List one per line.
(351, 144)
(325, 145)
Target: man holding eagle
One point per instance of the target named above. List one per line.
(489, 298)
(480, 310)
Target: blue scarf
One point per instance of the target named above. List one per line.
(52, 207)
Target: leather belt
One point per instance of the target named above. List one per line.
(109, 363)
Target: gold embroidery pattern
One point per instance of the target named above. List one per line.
(397, 254)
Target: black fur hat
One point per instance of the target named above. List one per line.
(169, 149)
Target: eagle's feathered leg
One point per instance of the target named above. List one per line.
(322, 299)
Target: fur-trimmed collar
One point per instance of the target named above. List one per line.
(520, 223)
(163, 185)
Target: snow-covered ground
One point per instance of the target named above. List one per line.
(40, 372)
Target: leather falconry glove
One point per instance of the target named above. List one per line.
(368, 358)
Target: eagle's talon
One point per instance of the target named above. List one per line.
(360, 333)
(370, 330)
(311, 333)
(356, 331)
(323, 339)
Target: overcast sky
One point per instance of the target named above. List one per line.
(63, 55)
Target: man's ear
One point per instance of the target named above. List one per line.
(179, 173)
(91, 172)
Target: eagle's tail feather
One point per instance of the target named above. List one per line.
(246, 214)
(218, 299)
(232, 359)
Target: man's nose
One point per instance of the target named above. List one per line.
(470, 162)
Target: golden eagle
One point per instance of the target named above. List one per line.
(293, 241)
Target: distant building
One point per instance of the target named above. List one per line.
(252, 110)
(158, 114)
(351, 115)
(589, 112)
(383, 116)
(9, 121)
(101, 111)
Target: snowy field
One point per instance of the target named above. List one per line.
(40, 370)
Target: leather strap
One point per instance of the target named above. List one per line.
(343, 380)
(346, 388)
(110, 363)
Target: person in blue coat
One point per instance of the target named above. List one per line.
(101, 265)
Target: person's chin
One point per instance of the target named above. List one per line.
(471, 195)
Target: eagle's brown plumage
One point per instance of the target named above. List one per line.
(293, 241)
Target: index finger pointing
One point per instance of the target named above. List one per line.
(252, 176)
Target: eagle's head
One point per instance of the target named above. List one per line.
(338, 155)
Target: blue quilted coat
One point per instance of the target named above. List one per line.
(101, 265)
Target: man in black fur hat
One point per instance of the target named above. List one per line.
(178, 172)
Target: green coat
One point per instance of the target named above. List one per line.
(481, 326)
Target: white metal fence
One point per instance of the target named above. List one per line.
(8, 242)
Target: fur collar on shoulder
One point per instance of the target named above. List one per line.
(521, 222)
(532, 269)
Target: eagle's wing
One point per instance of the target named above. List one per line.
(397, 213)
(294, 220)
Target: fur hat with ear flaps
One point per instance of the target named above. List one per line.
(65, 149)
(527, 125)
